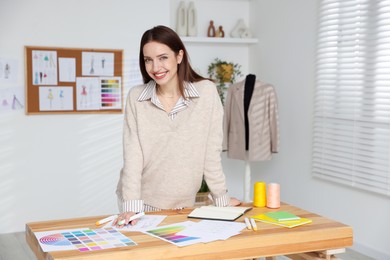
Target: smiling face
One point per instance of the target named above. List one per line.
(161, 63)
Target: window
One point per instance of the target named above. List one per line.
(351, 142)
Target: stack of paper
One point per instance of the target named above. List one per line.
(282, 218)
(144, 223)
(218, 213)
(188, 232)
(211, 230)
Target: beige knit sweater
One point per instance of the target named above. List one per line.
(165, 159)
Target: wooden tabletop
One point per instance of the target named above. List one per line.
(268, 240)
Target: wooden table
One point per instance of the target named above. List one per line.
(322, 235)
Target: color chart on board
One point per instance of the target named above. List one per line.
(84, 239)
(111, 93)
(168, 233)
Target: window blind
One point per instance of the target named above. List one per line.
(351, 143)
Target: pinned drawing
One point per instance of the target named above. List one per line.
(88, 93)
(105, 68)
(8, 70)
(55, 98)
(67, 69)
(44, 67)
(11, 99)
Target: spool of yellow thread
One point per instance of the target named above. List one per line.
(259, 194)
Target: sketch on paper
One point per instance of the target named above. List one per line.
(55, 98)
(8, 70)
(97, 64)
(11, 99)
(44, 67)
(88, 93)
(67, 69)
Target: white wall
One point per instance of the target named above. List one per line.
(286, 57)
(67, 166)
(62, 166)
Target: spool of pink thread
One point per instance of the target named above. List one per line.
(273, 195)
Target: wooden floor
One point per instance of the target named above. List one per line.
(13, 246)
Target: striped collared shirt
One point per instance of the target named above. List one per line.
(150, 93)
(138, 205)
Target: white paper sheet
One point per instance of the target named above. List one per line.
(168, 233)
(146, 222)
(8, 70)
(97, 64)
(44, 66)
(67, 69)
(212, 230)
(82, 239)
(88, 93)
(55, 98)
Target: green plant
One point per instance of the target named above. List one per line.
(223, 72)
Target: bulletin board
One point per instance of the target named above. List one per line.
(73, 80)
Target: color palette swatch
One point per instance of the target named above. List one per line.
(82, 239)
(169, 233)
(111, 93)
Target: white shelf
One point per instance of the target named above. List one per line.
(219, 40)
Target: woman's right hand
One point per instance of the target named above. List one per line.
(123, 219)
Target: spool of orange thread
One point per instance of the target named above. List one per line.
(259, 194)
(273, 196)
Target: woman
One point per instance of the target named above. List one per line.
(172, 132)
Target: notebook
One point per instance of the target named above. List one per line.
(219, 213)
(286, 223)
(281, 215)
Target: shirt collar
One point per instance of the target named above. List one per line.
(150, 90)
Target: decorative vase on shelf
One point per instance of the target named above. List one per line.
(181, 20)
(192, 21)
(240, 30)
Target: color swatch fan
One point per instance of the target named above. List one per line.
(169, 234)
(84, 239)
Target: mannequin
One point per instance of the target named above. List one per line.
(250, 81)
(248, 91)
(250, 124)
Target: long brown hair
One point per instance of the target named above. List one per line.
(169, 37)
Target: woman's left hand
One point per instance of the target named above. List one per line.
(234, 202)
